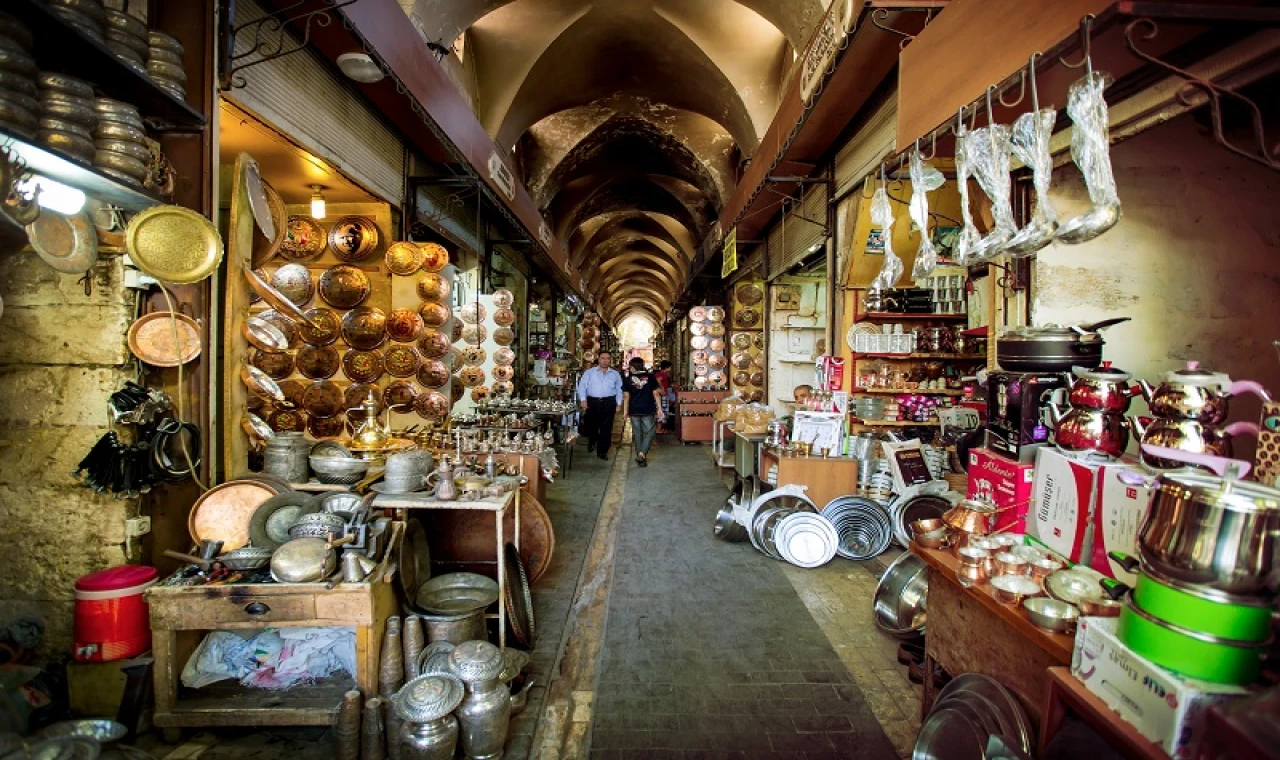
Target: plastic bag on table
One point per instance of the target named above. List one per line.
(1029, 141)
(1091, 152)
(227, 654)
(882, 214)
(988, 149)
(306, 654)
(924, 180)
(969, 235)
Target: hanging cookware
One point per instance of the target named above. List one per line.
(323, 399)
(403, 258)
(1195, 393)
(344, 286)
(263, 335)
(401, 395)
(152, 338)
(503, 299)
(1189, 653)
(405, 325)
(433, 287)
(363, 366)
(274, 298)
(433, 374)
(294, 282)
(174, 244)
(472, 313)
(1053, 348)
(432, 405)
(353, 238)
(321, 328)
(318, 362)
(434, 257)
(433, 344)
(401, 361)
(1091, 152)
(66, 243)
(434, 314)
(304, 239)
(364, 327)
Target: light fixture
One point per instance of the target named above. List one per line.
(813, 248)
(360, 67)
(317, 202)
(54, 195)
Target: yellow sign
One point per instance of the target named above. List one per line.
(730, 259)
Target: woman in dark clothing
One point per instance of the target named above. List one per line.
(642, 402)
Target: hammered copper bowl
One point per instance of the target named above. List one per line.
(323, 399)
(504, 317)
(318, 362)
(433, 374)
(432, 405)
(363, 366)
(404, 325)
(344, 286)
(433, 344)
(323, 327)
(433, 287)
(402, 361)
(401, 395)
(434, 257)
(434, 315)
(504, 336)
(364, 327)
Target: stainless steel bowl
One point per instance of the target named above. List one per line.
(318, 525)
(1051, 615)
(98, 729)
(901, 597)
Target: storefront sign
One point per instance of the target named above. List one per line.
(502, 176)
(730, 260)
(544, 235)
(824, 46)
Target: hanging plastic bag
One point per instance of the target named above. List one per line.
(924, 180)
(988, 149)
(1091, 151)
(882, 214)
(969, 234)
(1029, 141)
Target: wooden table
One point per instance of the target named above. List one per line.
(1064, 692)
(970, 631)
(826, 478)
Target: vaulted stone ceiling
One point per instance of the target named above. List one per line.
(629, 119)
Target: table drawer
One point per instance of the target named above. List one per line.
(223, 609)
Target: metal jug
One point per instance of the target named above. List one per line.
(445, 488)
(429, 731)
(1193, 393)
(485, 712)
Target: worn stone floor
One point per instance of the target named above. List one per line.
(709, 649)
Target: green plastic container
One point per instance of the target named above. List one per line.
(1225, 620)
(1194, 655)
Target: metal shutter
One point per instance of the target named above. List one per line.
(302, 98)
(875, 140)
(792, 238)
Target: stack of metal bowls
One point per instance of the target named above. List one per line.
(67, 119)
(286, 457)
(121, 141)
(164, 63)
(19, 109)
(127, 38)
(862, 524)
(88, 16)
(902, 597)
(806, 539)
(967, 713)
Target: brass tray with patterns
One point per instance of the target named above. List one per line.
(365, 327)
(434, 257)
(433, 344)
(433, 287)
(323, 398)
(403, 258)
(363, 366)
(304, 239)
(293, 281)
(434, 315)
(404, 325)
(277, 365)
(173, 244)
(433, 374)
(344, 286)
(318, 362)
(323, 326)
(401, 360)
(353, 238)
(400, 395)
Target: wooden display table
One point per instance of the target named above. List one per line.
(826, 478)
(970, 631)
(1064, 693)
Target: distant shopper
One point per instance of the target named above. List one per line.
(642, 402)
(600, 397)
(668, 392)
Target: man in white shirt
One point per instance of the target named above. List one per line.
(600, 398)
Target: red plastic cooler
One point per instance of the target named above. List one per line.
(111, 620)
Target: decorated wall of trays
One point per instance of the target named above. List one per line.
(589, 339)
(708, 348)
(748, 306)
(485, 349)
(747, 365)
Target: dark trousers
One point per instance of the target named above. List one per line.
(598, 423)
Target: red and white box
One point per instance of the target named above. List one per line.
(1062, 498)
(999, 480)
(1116, 516)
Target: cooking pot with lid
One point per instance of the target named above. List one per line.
(1053, 348)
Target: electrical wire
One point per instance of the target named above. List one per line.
(180, 412)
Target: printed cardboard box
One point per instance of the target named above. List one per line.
(1062, 497)
(1003, 482)
(1116, 516)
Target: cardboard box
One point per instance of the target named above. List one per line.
(1003, 482)
(1016, 418)
(1062, 498)
(1165, 708)
(1116, 515)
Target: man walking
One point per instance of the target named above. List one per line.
(600, 398)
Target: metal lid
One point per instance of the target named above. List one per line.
(1238, 495)
(513, 661)
(435, 658)
(1193, 375)
(1105, 374)
(476, 661)
(428, 697)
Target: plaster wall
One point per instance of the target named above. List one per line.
(795, 339)
(62, 353)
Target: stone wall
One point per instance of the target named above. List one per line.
(62, 353)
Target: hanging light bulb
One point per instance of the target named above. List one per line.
(317, 202)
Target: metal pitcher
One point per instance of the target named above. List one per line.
(433, 740)
(445, 488)
(485, 712)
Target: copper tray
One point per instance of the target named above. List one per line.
(401, 361)
(740, 360)
(304, 239)
(265, 249)
(460, 537)
(403, 258)
(757, 378)
(455, 330)
(758, 361)
(699, 342)
(699, 357)
(715, 314)
(457, 391)
(746, 318)
(151, 339)
(353, 238)
(327, 427)
(504, 317)
(290, 328)
(293, 391)
(223, 512)
(479, 393)
(716, 330)
(404, 325)
(364, 327)
(318, 362)
(472, 313)
(432, 405)
(504, 388)
(434, 257)
(69, 244)
(716, 344)
(363, 366)
(504, 336)
(749, 294)
(519, 600)
(502, 373)
(474, 334)
(434, 315)
(741, 341)
(504, 357)
(756, 396)
(471, 376)
(323, 327)
(717, 361)
(741, 378)
(433, 344)
(274, 298)
(698, 329)
(433, 374)
(503, 299)
(400, 395)
(433, 287)
(260, 385)
(474, 356)
(717, 379)
(757, 340)
(355, 396)
(276, 364)
(323, 399)
(259, 204)
(344, 286)
(264, 335)
(700, 370)
(287, 421)
(293, 281)
(697, 314)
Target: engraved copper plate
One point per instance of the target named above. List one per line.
(757, 378)
(697, 314)
(432, 405)
(276, 364)
(717, 344)
(717, 361)
(285, 325)
(502, 372)
(698, 328)
(472, 313)
(700, 370)
(323, 328)
(756, 396)
(433, 287)
(750, 294)
(353, 238)
(480, 393)
(716, 330)
(455, 330)
(747, 317)
(434, 257)
(740, 360)
(327, 427)
(404, 325)
(433, 344)
(717, 378)
(504, 357)
(403, 258)
(365, 327)
(287, 421)
(504, 336)
(590, 333)
(741, 378)
(504, 388)
(433, 374)
(355, 396)
(699, 342)
(434, 315)
(363, 366)
(344, 286)
(255, 404)
(715, 314)
(741, 341)
(758, 361)
(223, 512)
(457, 391)
(401, 361)
(471, 376)
(400, 395)
(318, 362)
(503, 299)
(474, 356)
(699, 357)
(699, 382)
(323, 399)
(758, 340)
(294, 282)
(474, 334)
(304, 239)
(504, 317)
(293, 391)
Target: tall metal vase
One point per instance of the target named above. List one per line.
(347, 729)
(391, 671)
(485, 713)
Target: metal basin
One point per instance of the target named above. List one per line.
(901, 597)
(457, 593)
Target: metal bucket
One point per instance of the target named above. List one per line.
(466, 626)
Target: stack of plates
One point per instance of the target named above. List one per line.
(127, 38)
(164, 63)
(19, 109)
(88, 16)
(968, 711)
(862, 526)
(121, 141)
(67, 118)
(806, 539)
(879, 486)
(767, 511)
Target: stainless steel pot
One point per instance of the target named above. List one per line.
(1220, 534)
(901, 597)
(1053, 348)
(1105, 389)
(1198, 394)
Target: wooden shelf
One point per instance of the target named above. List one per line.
(63, 48)
(1067, 693)
(314, 704)
(54, 165)
(915, 391)
(894, 315)
(893, 423)
(951, 357)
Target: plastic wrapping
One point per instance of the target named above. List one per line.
(1091, 151)
(969, 235)
(726, 408)
(924, 180)
(988, 149)
(752, 419)
(882, 214)
(1030, 143)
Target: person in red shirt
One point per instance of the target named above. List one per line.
(663, 375)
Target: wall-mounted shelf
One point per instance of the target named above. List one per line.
(896, 315)
(95, 184)
(892, 423)
(909, 391)
(951, 357)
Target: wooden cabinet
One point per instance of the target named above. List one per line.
(826, 479)
(697, 428)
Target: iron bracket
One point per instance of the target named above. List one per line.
(270, 37)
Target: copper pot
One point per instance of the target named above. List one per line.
(970, 516)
